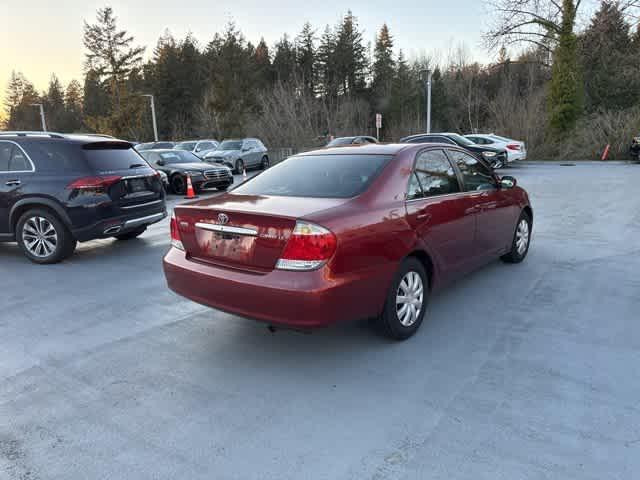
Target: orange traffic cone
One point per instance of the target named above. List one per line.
(191, 193)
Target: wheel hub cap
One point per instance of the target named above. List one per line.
(409, 299)
(522, 237)
(39, 237)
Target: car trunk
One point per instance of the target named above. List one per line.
(243, 231)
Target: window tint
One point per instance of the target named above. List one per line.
(205, 146)
(179, 156)
(435, 174)
(5, 154)
(18, 161)
(56, 156)
(104, 158)
(185, 146)
(323, 176)
(415, 190)
(231, 145)
(475, 174)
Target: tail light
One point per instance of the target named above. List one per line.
(513, 146)
(94, 184)
(309, 247)
(176, 241)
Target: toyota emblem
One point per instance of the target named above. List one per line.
(222, 218)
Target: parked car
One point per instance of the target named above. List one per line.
(198, 147)
(496, 157)
(153, 146)
(516, 150)
(635, 147)
(178, 164)
(351, 233)
(240, 154)
(57, 190)
(345, 141)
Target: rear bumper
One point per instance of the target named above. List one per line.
(123, 224)
(296, 299)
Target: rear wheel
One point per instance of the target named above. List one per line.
(265, 162)
(43, 238)
(521, 240)
(406, 302)
(239, 166)
(132, 234)
(178, 184)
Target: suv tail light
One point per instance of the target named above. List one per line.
(98, 184)
(308, 248)
(513, 146)
(176, 240)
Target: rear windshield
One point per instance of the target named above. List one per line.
(185, 146)
(321, 176)
(179, 156)
(103, 158)
(340, 141)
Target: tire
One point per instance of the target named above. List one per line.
(393, 323)
(497, 164)
(132, 234)
(51, 242)
(178, 184)
(519, 250)
(239, 166)
(265, 163)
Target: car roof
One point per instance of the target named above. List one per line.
(80, 139)
(369, 149)
(164, 150)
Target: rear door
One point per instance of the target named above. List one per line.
(494, 209)
(440, 212)
(16, 169)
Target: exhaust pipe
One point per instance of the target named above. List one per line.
(112, 230)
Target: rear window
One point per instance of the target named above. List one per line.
(56, 156)
(103, 157)
(321, 176)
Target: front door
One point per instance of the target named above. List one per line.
(15, 171)
(441, 213)
(495, 212)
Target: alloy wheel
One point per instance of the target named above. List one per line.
(39, 237)
(409, 299)
(522, 236)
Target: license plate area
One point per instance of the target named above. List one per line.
(226, 246)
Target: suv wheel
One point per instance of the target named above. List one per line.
(239, 166)
(406, 302)
(265, 162)
(132, 234)
(43, 238)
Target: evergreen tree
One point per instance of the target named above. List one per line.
(606, 52)
(284, 60)
(350, 56)
(326, 59)
(307, 58)
(19, 100)
(262, 63)
(565, 90)
(73, 107)
(383, 70)
(95, 101)
(54, 106)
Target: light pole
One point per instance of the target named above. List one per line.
(153, 115)
(426, 77)
(44, 123)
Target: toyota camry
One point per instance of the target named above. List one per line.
(348, 233)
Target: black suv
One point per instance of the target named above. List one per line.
(496, 157)
(57, 190)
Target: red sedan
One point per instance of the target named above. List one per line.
(347, 233)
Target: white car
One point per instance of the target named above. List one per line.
(198, 147)
(516, 150)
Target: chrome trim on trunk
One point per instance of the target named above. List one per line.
(227, 229)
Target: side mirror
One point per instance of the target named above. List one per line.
(508, 182)
(161, 163)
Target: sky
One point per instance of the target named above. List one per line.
(40, 37)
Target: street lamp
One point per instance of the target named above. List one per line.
(44, 124)
(153, 115)
(426, 78)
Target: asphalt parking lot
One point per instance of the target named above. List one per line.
(520, 371)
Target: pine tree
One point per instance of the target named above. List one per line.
(606, 52)
(307, 58)
(326, 58)
(383, 70)
(284, 60)
(73, 107)
(54, 105)
(262, 64)
(19, 100)
(350, 56)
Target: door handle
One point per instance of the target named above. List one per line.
(13, 183)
